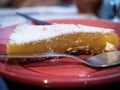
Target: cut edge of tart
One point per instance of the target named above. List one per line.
(65, 38)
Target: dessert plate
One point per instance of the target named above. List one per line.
(62, 72)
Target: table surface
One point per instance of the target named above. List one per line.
(43, 13)
(8, 16)
(19, 86)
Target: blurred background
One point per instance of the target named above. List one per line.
(58, 9)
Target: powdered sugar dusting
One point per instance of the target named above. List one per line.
(27, 33)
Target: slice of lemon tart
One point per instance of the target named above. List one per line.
(68, 38)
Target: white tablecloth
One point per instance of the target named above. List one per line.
(8, 15)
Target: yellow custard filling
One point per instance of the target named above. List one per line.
(92, 42)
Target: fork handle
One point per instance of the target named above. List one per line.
(34, 20)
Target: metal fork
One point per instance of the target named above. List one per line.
(33, 20)
(101, 60)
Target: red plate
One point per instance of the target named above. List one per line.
(64, 72)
